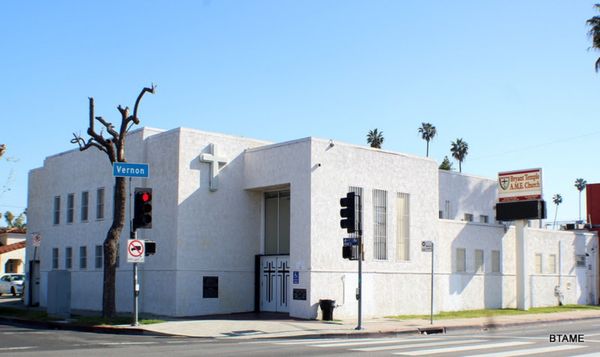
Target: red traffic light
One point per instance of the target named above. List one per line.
(146, 196)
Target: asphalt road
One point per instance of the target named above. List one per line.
(529, 341)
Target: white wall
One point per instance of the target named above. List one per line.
(388, 286)
(467, 194)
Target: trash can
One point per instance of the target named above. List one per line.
(327, 307)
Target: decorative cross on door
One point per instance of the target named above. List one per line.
(214, 160)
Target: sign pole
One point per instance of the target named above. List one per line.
(360, 258)
(359, 295)
(136, 288)
(431, 311)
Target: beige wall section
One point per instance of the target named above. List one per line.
(17, 256)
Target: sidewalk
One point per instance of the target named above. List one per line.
(251, 328)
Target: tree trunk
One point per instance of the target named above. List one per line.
(111, 246)
(555, 214)
(427, 148)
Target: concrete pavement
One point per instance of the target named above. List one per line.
(250, 326)
(271, 325)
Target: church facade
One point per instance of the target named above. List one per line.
(246, 225)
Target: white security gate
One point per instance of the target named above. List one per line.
(274, 283)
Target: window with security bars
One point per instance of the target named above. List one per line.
(98, 258)
(359, 192)
(402, 226)
(85, 202)
(70, 207)
(380, 224)
(56, 210)
(68, 258)
(82, 257)
(54, 258)
(100, 203)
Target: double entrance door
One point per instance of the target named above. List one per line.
(274, 283)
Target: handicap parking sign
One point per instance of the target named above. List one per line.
(296, 277)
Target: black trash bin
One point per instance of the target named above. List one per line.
(327, 307)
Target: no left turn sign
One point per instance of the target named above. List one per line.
(135, 251)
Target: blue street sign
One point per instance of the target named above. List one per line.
(125, 169)
(348, 242)
(296, 277)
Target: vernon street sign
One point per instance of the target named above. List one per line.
(125, 169)
(522, 185)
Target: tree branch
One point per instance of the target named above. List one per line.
(135, 118)
(109, 127)
(83, 145)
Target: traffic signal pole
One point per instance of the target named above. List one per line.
(136, 286)
(359, 295)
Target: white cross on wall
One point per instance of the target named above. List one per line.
(214, 160)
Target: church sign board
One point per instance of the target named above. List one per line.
(520, 195)
(522, 185)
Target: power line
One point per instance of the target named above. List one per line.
(537, 146)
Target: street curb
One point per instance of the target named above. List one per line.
(139, 331)
(81, 328)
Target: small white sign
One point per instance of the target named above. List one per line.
(522, 185)
(427, 246)
(36, 239)
(135, 251)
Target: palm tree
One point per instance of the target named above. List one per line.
(427, 133)
(580, 185)
(594, 33)
(557, 199)
(375, 138)
(459, 150)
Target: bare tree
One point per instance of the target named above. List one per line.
(114, 148)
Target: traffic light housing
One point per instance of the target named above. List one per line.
(150, 247)
(350, 219)
(142, 208)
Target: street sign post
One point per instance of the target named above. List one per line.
(126, 169)
(135, 251)
(427, 246)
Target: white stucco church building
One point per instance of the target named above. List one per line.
(246, 225)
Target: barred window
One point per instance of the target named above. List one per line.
(359, 192)
(99, 253)
(70, 207)
(82, 257)
(380, 224)
(483, 219)
(403, 226)
(100, 203)
(54, 258)
(495, 261)
(68, 258)
(461, 263)
(468, 217)
(56, 210)
(85, 202)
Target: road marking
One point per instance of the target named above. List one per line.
(462, 348)
(593, 354)
(530, 351)
(374, 342)
(414, 345)
(309, 341)
(17, 348)
(124, 343)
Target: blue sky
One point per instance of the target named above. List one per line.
(515, 79)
